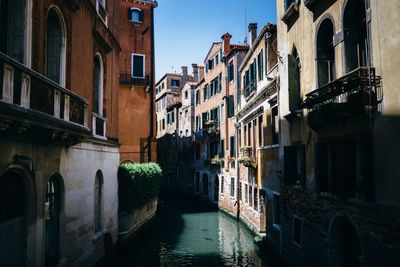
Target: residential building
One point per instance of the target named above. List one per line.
(258, 133)
(137, 79)
(214, 124)
(233, 55)
(59, 131)
(338, 111)
(170, 147)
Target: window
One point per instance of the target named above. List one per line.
(102, 3)
(232, 187)
(175, 83)
(231, 106)
(255, 195)
(186, 94)
(98, 201)
(250, 196)
(222, 112)
(222, 148)
(260, 131)
(198, 126)
(135, 15)
(98, 85)
(222, 184)
(275, 126)
(232, 147)
(297, 230)
(210, 64)
(294, 80)
(186, 132)
(231, 74)
(240, 191)
(214, 114)
(186, 113)
(204, 118)
(260, 64)
(246, 193)
(163, 124)
(216, 59)
(356, 28)
(197, 97)
(138, 66)
(294, 164)
(170, 117)
(277, 209)
(205, 92)
(55, 48)
(288, 3)
(325, 53)
(205, 184)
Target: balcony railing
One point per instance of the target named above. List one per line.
(250, 88)
(126, 78)
(362, 81)
(246, 157)
(24, 88)
(212, 127)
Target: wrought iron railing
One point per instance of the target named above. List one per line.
(212, 127)
(29, 89)
(250, 88)
(361, 80)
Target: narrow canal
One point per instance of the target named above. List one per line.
(188, 233)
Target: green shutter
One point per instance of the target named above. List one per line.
(294, 83)
(231, 106)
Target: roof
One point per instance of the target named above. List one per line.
(212, 46)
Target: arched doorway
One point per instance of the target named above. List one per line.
(216, 188)
(205, 184)
(355, 35)
(52, 209)
(13, 219)
(325, 53)
(344, 245)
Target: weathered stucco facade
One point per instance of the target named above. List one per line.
(337, 114)
(58, 170)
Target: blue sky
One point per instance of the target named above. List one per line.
(185, 29)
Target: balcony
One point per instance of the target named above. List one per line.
(250, 88)
(31, 102)
(127, 79)
(212, 128)
(356, 93)
(247, 158)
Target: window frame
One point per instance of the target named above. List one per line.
(140, 13)
(301, 220)
(132, 65)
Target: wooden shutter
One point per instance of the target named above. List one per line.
(231, 106)
(294, 83)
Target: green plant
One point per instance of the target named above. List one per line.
(137, 184)
(217, 160)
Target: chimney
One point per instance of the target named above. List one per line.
(195, 72)
(253, 32)
(201, 73)
(226, 43)
(184, 75)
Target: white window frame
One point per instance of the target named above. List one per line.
(144, 65)
(137, 9)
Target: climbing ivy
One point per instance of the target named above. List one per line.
(137, 184)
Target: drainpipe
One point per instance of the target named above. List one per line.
(237, 140)
(151, 89)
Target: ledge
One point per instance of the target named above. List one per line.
(291, 11)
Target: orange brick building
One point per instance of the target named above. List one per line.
(136, 79)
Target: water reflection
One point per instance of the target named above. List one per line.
(187, 234)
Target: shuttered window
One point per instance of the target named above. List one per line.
(232, 146)
(231, 106)
(138, 66)
(53, 45)
(294, 83)
(260, 65)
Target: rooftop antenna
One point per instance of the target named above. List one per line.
(245, 21)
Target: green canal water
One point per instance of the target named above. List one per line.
(188, 233)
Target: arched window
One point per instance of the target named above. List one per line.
(355, 35)
(13, 26)
(98, 191)
(55, 47)
(325, 53)
(52, 208)
(135, 15)
(98, 85)
(294, 66)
